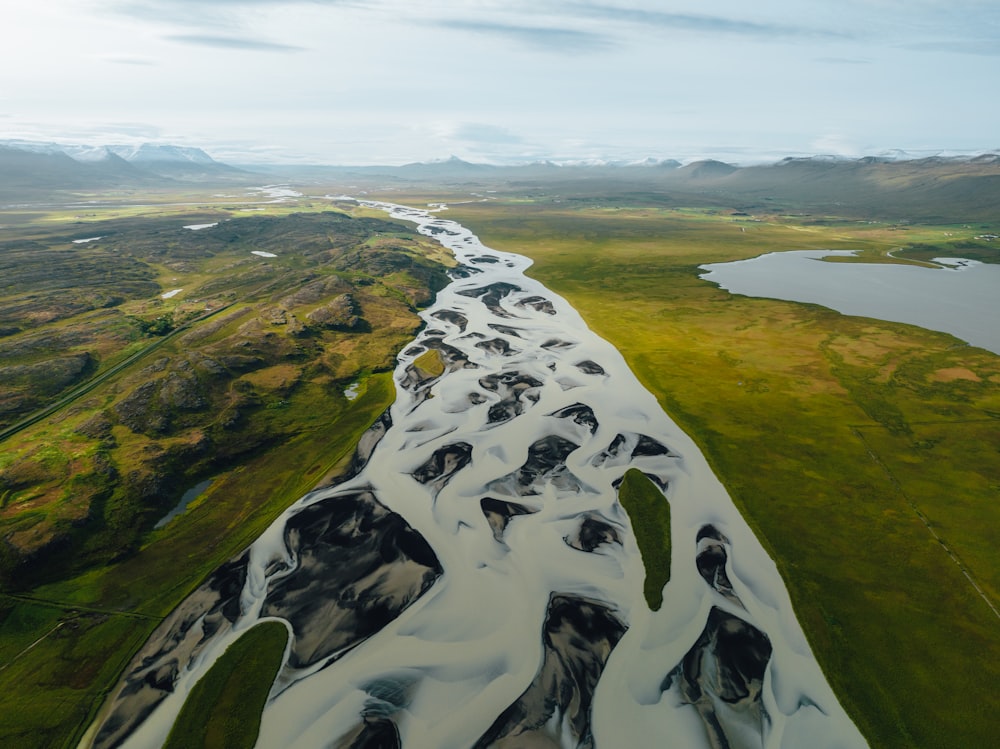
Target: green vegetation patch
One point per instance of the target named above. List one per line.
(223, 709)
(49, 661)
(430, 363)
(960, 502)
(649, 512)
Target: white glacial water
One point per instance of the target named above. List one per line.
(279, 193)
(527, 625)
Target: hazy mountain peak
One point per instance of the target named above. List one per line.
(894, 154)
(823, 158)
(152, 152)
(707, 168)
(145, 153)
(451, 165)
(32, 146)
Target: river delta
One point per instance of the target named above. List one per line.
(473, 579)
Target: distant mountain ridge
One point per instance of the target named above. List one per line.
(700, 169)
(144, 153)
(891, 183)
(28, 168)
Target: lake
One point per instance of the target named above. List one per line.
(961, 297)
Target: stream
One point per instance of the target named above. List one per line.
(473, 580)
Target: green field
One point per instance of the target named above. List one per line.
(865, 454)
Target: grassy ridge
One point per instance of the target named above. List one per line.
(779, 395)
(649, 512)
(223, 709)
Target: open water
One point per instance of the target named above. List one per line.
(961, 297)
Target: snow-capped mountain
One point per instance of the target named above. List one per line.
(154, 153)
(146, 153)
(34, 165)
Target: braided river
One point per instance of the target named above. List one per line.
(473, 580)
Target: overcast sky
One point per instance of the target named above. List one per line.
(392, 81)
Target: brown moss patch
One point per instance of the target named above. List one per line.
(278, 377)
(955, 373)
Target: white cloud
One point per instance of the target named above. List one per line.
(389, 80)
(834, 144)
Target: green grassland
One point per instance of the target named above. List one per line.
(251, 352)
(864, 454)
(244, 383)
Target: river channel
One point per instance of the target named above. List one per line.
(474, 582)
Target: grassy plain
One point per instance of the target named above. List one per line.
(253, 398)
(865, 454)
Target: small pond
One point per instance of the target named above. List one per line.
(187, 498)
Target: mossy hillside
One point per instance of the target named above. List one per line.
(776, 395)
(69, 311)
(252, 397)
(207, 395)
(131, 595)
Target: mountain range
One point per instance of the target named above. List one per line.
(29, 168)
(893, 184)
(889, 186)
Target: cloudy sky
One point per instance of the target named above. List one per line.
(392, 81)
